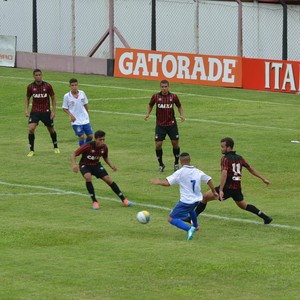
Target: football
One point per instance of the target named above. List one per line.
(143, 216)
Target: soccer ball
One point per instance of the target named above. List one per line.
(143, 216)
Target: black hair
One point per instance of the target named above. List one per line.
(72, 80)
(164, 81)
(184, 154)
(229, 142)
(99, 134)
(36, 71)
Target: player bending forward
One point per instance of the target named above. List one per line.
(189, 179)
(90, 165)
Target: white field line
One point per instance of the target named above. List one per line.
(155, 91)
(199, 120)
(63, 192)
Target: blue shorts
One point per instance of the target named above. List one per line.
(82, 129)
(182, 210)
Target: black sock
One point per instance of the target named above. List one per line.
(54, 139)
(200, 208)
(117, 191)
(31, 138)
(176, 153)
(90, 188)
(256, 211)
(159, 154)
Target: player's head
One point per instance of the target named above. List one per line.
(185, 158)
(227, 144)
(99, 134)
(73, 80)
(164, 86)
(37, 75)
(99, 138)
(73, 84)
(36, 71)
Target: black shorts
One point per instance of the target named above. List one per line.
(35, 117)
(162, 131)
(96, 170)
(236, 195)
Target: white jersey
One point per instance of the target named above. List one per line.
(189, 179)
(76, 107)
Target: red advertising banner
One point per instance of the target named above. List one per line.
(271, 75)
(179, 67)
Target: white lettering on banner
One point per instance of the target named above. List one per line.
(289, 78)
(126, 69)
(178, 66)
(173, 61)
(199, 67)
(183, 67)
(280, 71)
(141, 63)
(154, 58)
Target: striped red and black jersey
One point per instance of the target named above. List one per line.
(233, 164)
(165, 115)
(90, 154)
(40, 94)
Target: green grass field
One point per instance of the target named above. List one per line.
(54, 246)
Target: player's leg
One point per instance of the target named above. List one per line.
(53, 138)
(174, 137)
(33, 122)
(208, 196)
(180, 211)
(251, 208)
(31, 138)
(49, 123)
(89, 186)
(79, 132)
(107, 179)
(89, 138)
(88, 132)
(160, 135)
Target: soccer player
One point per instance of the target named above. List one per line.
(165, 122)
(230, 183)
(189, 179)
(75, 104)
(90, 165)
(41, 92)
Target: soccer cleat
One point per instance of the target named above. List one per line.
(56, 151)
(191, 233)
(176, 167)
(30, 154)
(268, 220)
(127, 203)
(96, 205)
(161, 168)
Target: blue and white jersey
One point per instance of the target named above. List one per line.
(76, 107)
(189, 179)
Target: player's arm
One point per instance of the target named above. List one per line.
(212, 188)
(27, 106)
(86, 108)
(257, 174)
(72, 118)
(180, 110)
(148, 112)
(157, 181)
(53, 111)
(222, 183)
(74, 163)
(107, 160)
